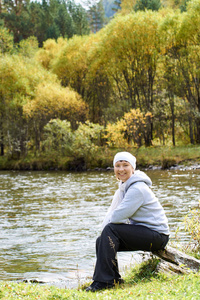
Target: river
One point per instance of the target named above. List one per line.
(50, 220)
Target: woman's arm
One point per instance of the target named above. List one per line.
(132, 200)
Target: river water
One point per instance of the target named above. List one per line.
(50, 220)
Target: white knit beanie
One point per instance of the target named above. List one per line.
(125, 156)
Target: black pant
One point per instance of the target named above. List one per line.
(123, 237)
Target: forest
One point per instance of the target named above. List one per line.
(73, 82)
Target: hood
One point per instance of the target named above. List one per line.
(138, 176)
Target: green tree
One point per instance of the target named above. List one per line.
(147, 4)
(48, 19)
(96, 16)
(79, 17)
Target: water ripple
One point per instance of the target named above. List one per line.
(50, 220)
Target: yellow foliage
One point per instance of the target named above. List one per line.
(132, 127)
(72, 63)
(115, 134)
(130, 47)
(6, 41)
(54, 101)
(137, 116)
(50, 50)
(137, 125)
(127, 7)
(169, 29)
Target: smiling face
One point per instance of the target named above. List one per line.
(123, 170)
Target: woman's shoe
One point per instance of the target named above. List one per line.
(97, 286)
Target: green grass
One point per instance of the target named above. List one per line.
(169, 155)
(142, 282)
(176, 287)
(164, 156)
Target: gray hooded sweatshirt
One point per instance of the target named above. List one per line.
(139, 205)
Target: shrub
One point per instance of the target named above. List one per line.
(192, 225)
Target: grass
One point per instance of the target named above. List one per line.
(164, 156)
(169, 155)
(176, 287)
(142, 282)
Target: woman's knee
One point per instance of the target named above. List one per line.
(97, 243)
(109, 227)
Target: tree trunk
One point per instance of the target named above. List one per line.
(191, 130)
(2, 143)
(177, 261)
(173, 120)
(197, 135)
(2, 147)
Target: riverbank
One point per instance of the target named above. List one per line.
(164, 157)
(140, 283)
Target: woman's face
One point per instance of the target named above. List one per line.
(123, 170)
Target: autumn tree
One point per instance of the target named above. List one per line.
(114, 134)
(71, 64)
(50, 50)
(182, 64)
(131, 60)
(6, 41)
(189, 66)
(130, 129)
(28, 47)
(53, 101)
(76, 66)
(136, 126)
(18, 79)
(29, 97)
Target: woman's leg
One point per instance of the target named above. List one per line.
(113, 257)
(122, 237)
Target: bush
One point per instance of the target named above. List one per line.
(192, 225)
(86, 144)
(58, 137)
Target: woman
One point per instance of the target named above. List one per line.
(135, 221)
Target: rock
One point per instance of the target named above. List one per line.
(167, 267)
(45, 278)
(177, 261)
